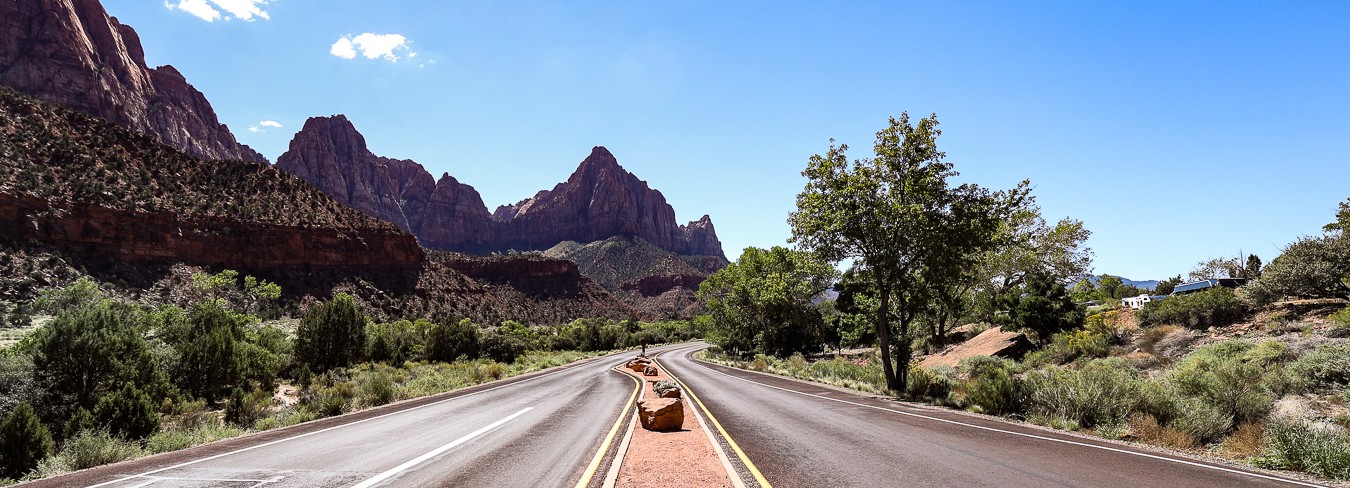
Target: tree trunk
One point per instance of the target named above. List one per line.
(884, 337)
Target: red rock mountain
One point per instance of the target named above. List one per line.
(72, 53)
(598, 201)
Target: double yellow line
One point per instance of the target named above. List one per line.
(759, 477)
(609, 439)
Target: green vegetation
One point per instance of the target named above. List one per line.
(1215, 307)
(762, 303)
(106, 380)
(913, 233)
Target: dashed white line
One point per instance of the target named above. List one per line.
(437, 451)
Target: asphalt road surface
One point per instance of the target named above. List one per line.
(539, 431)
(798, 434)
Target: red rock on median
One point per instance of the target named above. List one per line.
(661, 414)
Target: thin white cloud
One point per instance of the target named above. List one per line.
(263, 125)
(198, 8)
(372, 46)
(245, 10)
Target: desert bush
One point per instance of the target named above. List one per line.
(1248, 441)
(329, 401)
(176, 439)
(89, 449)
(1215, 307)
(1229, 376)
(1147, 429)
(244, 409)
(1099, 392)
(286, 418)
(376, 387)
(933, 384)
(1305, 446)
(1202, 420)
(1327, 367)
(990, 384)
(128, 413)
(24, 441)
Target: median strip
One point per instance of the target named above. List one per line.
(438, 451)
(745, 460)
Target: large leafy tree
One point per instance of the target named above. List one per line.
(763, 301)
(897, 213)
(1029, 246)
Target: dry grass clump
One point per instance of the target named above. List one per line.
(1149, 431)
(1249, 440)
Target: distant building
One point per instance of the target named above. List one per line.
(1139, 301)
(1195, 286)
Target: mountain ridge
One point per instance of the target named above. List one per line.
(71, 52)
(598, 200)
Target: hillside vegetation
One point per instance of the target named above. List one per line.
(64, 156)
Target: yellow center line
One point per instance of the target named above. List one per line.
(609, 439)
(744, 459)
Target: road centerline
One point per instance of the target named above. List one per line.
(414, 462)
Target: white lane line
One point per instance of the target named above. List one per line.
(348, 424)
(1023, 434)
(437, 451)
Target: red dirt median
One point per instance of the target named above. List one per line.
(681, 457)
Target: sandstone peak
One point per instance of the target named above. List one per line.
(598, 201)
(74, 54)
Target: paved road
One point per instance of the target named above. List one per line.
(542, 430)
(799, 434)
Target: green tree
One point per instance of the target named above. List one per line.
(1342, 222)
(83, 354)
(1167, 286)
(1029, 245)
(447, 342)
(1312, 267)
(212, 354)
(1043, 306)
(331, 334)
(24, 441)
(128, 413)
(897, 213)
(763, 301)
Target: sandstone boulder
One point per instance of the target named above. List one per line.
(638, 365)
(650, 371)
(661, 414)
(992, 342)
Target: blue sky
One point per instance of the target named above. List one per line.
(1177, 131)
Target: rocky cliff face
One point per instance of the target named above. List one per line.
(598, 201)
(72, 53)
(330, 154)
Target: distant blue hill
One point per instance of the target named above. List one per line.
(1143, 285)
